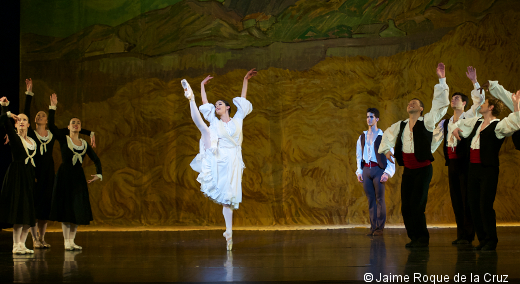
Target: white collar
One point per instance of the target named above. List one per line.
(379, 132)
(482, 119)
(421, 118)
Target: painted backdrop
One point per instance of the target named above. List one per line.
(118, 64)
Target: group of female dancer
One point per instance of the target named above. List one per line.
(31, 193)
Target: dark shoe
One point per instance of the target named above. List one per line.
(378, 233)
(456, 241)
(420, 244)
(370, 234)
(463, 242)
(489, 247)
(480, 246)
(410, 244)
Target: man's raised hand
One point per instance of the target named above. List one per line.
(441, 70)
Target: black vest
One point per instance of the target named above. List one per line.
(462, 146)
(381, 158)
(489, 144)
(516, 139)
(422, 140)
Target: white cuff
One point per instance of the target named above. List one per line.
(4, 104)
(100, 177)
(52, 107)
(29, 93)
(8, 114)
(442, 80)
(477, 86)
(91, 134)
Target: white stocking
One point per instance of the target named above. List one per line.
(228, 216)
(66, 231)
(204, 129)
(72, 234)
(23, 236)
(17, 232)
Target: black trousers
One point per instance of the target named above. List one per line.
(375, 191)
(482, 190)
(414, 195)
(458, 180)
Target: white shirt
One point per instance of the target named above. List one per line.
(504, 128)
(502, 94)
(478, 99)
(369, 155)
(440, 105)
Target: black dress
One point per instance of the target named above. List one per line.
(44, 166)
(70, 198)
(16, 198)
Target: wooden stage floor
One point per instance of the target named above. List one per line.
(333, 255)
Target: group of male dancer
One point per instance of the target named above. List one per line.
(473, 139)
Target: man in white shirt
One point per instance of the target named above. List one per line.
(414, 145)
(457, 160)
(486, 136)
(373, 170)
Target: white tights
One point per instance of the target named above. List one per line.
(204, 129)
(69, 231)
(228, 217)
(20, 233)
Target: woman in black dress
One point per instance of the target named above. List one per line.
(16, 198)
(70, 198)
(44, 167)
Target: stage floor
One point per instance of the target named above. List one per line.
(305, 255)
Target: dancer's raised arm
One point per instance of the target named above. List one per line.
(203, 89)
(251, 73)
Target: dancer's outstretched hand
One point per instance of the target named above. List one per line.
(250, 74)
(206, 80)
(6, 139)
(472, 74)
(54, 99)
(94, 179)
(28, 83)
(93, 141)
(516, 100)
(389, 157)
(384, 177)
(3, 100)
(441, 70)
(456, 133)
(360, 178)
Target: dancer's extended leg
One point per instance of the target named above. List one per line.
(204, 129)
(228, 217)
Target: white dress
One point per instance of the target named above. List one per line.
(221, 166)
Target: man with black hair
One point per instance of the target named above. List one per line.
(486, 136)
(457, 160)
(414, 144)
(373, 170)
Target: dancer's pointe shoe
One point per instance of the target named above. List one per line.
(188, 93)
(68, 246)
(36, 243)
(42, 241)
(17, 249)
(27, 251)
(75, 246)
(229, 240)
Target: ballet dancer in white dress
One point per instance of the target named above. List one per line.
(219, 162)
